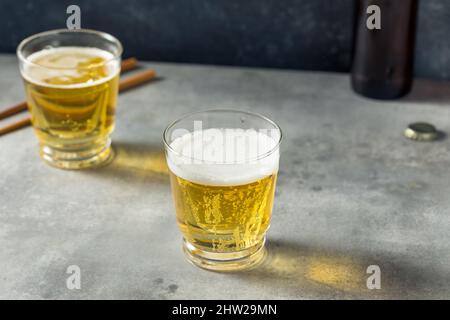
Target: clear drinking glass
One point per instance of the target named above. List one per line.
(71, 83)
(223, 167)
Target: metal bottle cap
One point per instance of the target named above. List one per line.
(421, 131)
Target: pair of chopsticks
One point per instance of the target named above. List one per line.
(124, 84)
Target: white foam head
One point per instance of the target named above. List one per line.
(224, 157)
(63, 62)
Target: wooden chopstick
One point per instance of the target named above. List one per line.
(124, 84)
(15, 126)
(13, 110)
(136, 80)
(127, 65)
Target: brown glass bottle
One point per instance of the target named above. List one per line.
(383, 58)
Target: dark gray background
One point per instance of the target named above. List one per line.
(298, 34)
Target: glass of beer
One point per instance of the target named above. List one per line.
(223, 168)
(71, 83)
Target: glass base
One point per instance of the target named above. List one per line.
(226, 261)
(78, 157)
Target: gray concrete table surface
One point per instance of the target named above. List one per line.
(352, 192)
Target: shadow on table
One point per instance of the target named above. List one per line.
(429, 91)
(136, 162)
(291, 270)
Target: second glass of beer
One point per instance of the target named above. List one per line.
(71, 84)
(223, 167)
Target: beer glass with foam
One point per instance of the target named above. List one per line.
(71, 84)
(223, 168)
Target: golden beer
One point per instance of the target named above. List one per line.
(223, 194)
(223, 218)
(72, 97)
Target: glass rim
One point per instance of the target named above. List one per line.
(101, 34)
(248, 113)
